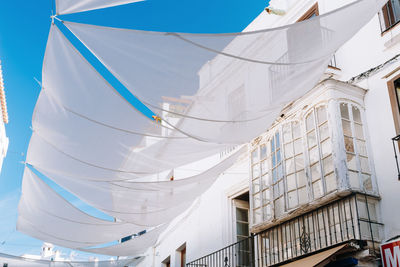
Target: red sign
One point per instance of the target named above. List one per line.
(391, 254)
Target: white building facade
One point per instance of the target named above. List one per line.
(319, 187)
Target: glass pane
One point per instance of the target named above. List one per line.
(365, 230)
(359, 131)
(328, 165)
(362, 208)
(256, 186)
(354, 181)
(281, 188)
(280, 172)
(364, 164)
(273, 160)
(372, 206)
(242, 229)
(346, 128)
(324, 131)
(303, 197)
(241, 215)
(298, 147)
(289, 166)
(331, 184)
(377, 231)
(264, 167)
(296, 130)
(279, 207)
(263, 151)
(272, 144)
(351, 162)
(344, 111)
(278, 157)
(311, 138)
(318, 189)
(367, 182)
(274, 175)
(326, 148)
(265, 181)
(301, 178)
(257, 200)
(315, 172)
(321, 114)
(314, 155)
(361, 147)
(289, 150)
(267, 212)
(310, 121)
(287, 133)
(276, 191)
(292, 199)
(266, 195)
(257, 216)
(277, 140)
(254, 156)
(356, 114)
(291, 182)
(299, 161)
(348, 143)
(256, 170)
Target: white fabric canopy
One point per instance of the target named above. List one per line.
(27, 262)
(207, 91)
(144, 203)
(89, 148)
(74, 6)
(135, 246)
(44, 211)
(236, 83)
(234, 89)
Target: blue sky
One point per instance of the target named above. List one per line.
(24, 27)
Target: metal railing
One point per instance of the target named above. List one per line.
(341, 221)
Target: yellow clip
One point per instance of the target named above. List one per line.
(156, 118)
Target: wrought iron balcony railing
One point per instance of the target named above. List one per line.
(347, 219)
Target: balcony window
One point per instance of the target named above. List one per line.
(390, 15)
(296, 163)
(356, 150)
(279, 174)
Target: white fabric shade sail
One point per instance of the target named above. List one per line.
(135, 246)
(144, 203)
(207, 92)
(74, 6)
(27, 262)
(42, 211)
(138, 205)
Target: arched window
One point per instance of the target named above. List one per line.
(356, 149)
(295, 177)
